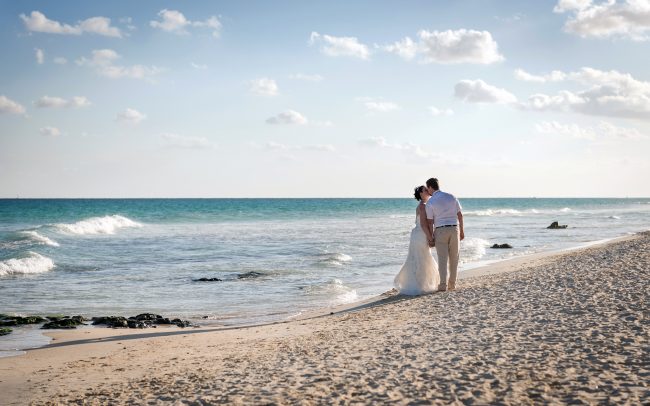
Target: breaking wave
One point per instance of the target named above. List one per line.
(473, 249)
(493, 212)
(97, 225)
(37, 238)
(513, 212)
(30, 263)
(335, 289)
(334, 258)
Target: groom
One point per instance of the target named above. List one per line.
(446, 224)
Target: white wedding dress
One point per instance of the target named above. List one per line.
(419, 274)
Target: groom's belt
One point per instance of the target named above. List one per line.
(451, 225)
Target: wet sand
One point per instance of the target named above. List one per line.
(552, 328)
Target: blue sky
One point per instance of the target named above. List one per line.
(324, 99)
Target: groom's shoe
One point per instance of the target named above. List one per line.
(441, 288)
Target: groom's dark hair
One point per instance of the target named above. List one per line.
(433, 183)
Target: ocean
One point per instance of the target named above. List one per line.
(276, 258)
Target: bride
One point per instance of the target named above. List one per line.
(419, 274)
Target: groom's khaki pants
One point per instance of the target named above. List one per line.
(447, 247)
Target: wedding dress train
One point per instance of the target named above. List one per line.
(419, 274)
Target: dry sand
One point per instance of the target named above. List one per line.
(564, 328)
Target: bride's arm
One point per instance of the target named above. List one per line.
(424, 223)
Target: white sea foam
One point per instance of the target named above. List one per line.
(31, 263)
(614, 217)
(39, 238)
(513, 212)
(334, 289)
(493, 212)
(98, 225)
(335, 258)
(473, 249)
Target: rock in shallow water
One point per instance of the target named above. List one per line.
(144, 320)
(501, 246)
(249, 275)
(208, 280)
(556, 226)
(111, 321)
(19, 320)
(5, 330)
(65, 323)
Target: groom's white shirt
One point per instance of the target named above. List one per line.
(443, 209)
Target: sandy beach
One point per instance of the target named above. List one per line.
(551, 328)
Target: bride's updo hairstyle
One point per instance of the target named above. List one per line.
(418, 190)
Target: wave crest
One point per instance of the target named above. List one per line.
(494, 212)
(97, 225)
(31, 263)
(335, 290)
(473, 249)
(39, 238)
(334, 258)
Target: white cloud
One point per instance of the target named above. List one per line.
(264, 87)
(554, 76)
(561, 101)
(378, 106)
(405, 48)
(175, 22)
(603, 131)
(449, 47)
(408, 148)
(340, 46)
(276, 146)
(50, 132)
(40, 56)
(180, 141)
(288, 117)
(130, 116)
(477, 91)
(103, 61)
(609, 93)
(59, 60)
(626, 19)
(8, 106)
(320, 147)
(58, 102)
(305, 77)
(199, 66)
(37, 22)
(436, 112)
(100, 26)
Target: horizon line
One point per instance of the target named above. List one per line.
(322, 198)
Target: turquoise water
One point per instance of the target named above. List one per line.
(276, 257)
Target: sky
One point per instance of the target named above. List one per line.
(324, 98)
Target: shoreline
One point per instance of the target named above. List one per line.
(561, 327)
(490, 268)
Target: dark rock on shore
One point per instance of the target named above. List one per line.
(65, 323)
(182, 323)
(249, 275)
(501, 246)
(111, 321)
(144, 320)
(6, 321)
(5, 330)
(556, 226)
(207, 280)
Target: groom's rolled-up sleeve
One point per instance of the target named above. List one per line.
(459, 209)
